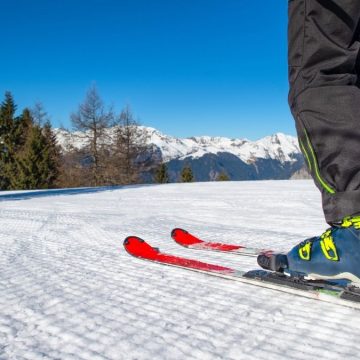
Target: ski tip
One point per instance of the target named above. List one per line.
(175, 232)
(184, 238)
(138, 247)
(132, 239)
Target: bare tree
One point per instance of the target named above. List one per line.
(92, 119)
(130, 156)
(39, 114)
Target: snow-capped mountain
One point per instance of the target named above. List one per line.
(278, 146)
(273, 157)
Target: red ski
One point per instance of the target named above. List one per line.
(320, 290)
(140, 248)
(184, 238)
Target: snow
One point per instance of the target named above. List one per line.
(278, 146)
(68, 289)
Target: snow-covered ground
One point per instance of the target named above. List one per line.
(68, 290)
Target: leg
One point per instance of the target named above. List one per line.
(325, 101)
(325, 98)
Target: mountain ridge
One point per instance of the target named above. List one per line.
(276, 156)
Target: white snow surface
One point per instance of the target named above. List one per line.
(278, 146)
(68, 289)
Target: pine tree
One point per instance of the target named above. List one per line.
(223, 176)
(29, 157)
(8, 141)
(52, 154)
(21, 131)
(7, 109)
(33, 166)
(161, 174)
(187, 174)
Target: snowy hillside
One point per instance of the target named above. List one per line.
(68, 290)
(278, 146)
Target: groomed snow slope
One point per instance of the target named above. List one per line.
(68, 290)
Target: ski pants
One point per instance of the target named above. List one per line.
(324, 97)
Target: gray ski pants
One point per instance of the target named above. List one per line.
(324, 97)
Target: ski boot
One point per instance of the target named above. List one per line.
(333, 255)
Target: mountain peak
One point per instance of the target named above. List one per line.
(278, 146)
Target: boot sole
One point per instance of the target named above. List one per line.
(345, 275)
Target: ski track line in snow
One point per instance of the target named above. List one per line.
(68, 290)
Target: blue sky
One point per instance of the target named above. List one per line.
(186, 67)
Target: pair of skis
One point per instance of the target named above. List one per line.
(333, 292)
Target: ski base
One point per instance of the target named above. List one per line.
(328, 291)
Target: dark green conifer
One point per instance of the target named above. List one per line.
(161, 174)
(32, 162)
(52, 154)
(7, 141)
(187, 174)
(223, 176)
